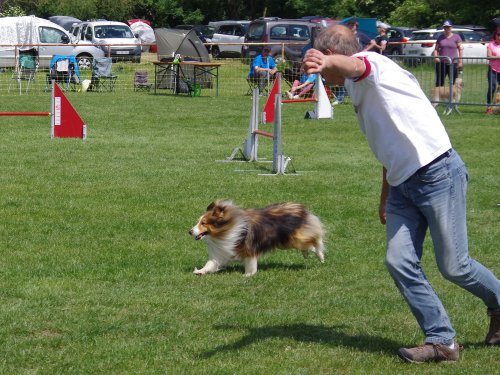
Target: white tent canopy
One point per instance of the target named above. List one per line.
(19, 31)
(145, 32)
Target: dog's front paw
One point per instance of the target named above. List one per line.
(198, 272)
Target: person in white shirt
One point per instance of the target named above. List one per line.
(424, 184)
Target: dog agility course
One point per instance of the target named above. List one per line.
(96, 269)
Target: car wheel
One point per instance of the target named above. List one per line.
(84, 62)
(215, 52)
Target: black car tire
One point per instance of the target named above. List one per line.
(215, 52)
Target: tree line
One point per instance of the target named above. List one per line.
(169, 13)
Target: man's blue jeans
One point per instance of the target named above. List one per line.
(435, 198)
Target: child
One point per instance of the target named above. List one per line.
(305, 84)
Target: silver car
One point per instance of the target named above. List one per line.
(228, 32)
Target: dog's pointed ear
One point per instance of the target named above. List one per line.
(219, 212)
(211, 206)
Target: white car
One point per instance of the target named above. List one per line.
(423, 43)
(116, 39)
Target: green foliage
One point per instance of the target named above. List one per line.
(418, 13)
(412, 13)
(12, 11)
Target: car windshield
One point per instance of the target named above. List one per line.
(113, 31)
(408, 32)
(208, 31)
(472, 36)
(426, 36)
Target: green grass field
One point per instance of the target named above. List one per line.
(96, 262)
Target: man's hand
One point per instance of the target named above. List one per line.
(381, 213)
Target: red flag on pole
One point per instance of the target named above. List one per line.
(66, 122)
(269, 107)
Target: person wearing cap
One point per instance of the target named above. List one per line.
(363, 39)
(263, 68)
(379, 43)
(448, 54)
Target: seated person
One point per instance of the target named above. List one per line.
(263, 68)
(302, 86)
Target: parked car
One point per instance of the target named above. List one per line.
(116, 39)
(47, 39)
(204, 32)
(66, 22)
(291, 34)
(325, 21)
(397, 35)
(228, 32)
(474, 44)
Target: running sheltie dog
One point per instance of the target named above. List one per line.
(236, 234)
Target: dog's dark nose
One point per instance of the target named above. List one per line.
(190, 232)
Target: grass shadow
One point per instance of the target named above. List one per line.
(239, 268)
(308, 333)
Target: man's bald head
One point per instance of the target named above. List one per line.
(337, 39)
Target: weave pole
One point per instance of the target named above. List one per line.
(277, 165)
(249, 152)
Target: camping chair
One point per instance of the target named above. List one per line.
(25, 70)
(102, 77)
(63, 70)
(141, 82)
(253, 83)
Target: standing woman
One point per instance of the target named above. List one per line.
(449, 45)
(493, 49)
(379, 43)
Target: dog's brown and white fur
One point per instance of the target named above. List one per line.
(236, 234)
(496, 109)
(442, 94)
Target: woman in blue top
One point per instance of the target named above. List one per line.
(263, 68)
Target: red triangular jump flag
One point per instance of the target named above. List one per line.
(269, 107)
(66, 122)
